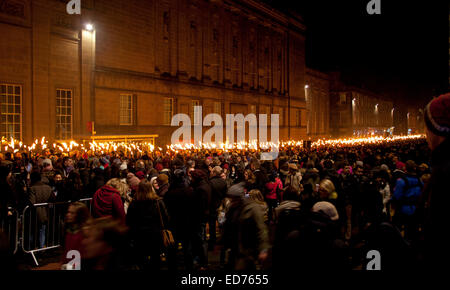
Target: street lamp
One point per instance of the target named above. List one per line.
(308, 110)
(89, 27)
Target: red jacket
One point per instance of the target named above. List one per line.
(107, 202)
(272, 188)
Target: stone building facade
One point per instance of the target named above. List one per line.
(317, 95)
(359, 112)
(415, 121)
(141, 62)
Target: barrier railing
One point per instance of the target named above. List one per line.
(43, 226)
(10, 227)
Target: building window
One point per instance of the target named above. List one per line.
(218, 108)
(168, 111)
(126, 109)
(198, 120)
(298, 118)
(11, 100)
(63, 114)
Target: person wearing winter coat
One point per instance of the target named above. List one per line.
(40, 193)
(437, 120)
(179, 201)
(245, 232)
(407, 191)
(107, 202)
(104, 244)
(144, 222)
(294, 177)
(76, 218)
(200, 214)
(218, 192)
(288, 218)
(260, 176)
(274, 194)
(163, 184)
(314, 245)
(6, 195)
(123, 189)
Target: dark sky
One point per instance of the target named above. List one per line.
(403, 52)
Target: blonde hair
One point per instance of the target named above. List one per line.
(121, 187)
(145, 191)
(251, 175)
(328, 186)
(256, 196)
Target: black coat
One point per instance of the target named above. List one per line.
(97, 180)
(84, 175)
(261, 181)
(5, 199)
(144, 223)
(179, 203)
(201, 201)
(313, 246)
(438, 219)
(218, 191)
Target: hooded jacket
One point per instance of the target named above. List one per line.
(107, 202)
(407, 195)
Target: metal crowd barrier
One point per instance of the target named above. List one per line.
(10, 227)
(43, 226)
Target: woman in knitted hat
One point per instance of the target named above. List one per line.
(154, 183)
(437, 120)
(133, 181)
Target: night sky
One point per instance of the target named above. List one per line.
(402, 53)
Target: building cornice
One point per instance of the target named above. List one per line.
(348, 88)
(265, 11)
(317, 73)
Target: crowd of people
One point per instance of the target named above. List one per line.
(321, 208)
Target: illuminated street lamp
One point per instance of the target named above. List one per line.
(308, 106)
(89, 27)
